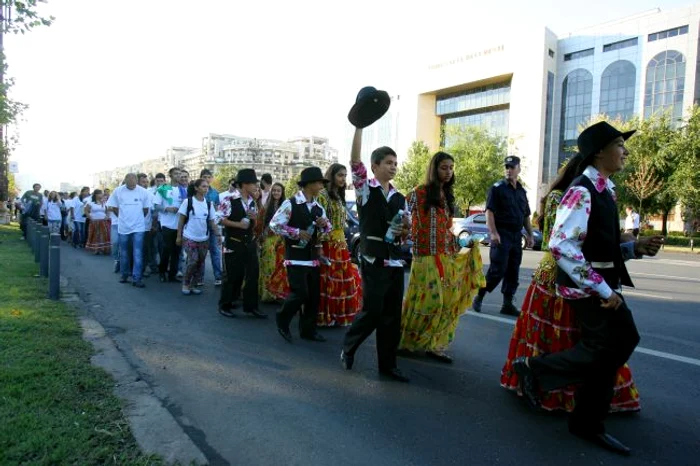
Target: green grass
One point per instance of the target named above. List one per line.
(55, 407)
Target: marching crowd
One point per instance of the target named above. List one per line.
(574, 332)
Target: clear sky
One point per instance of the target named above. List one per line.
(112, 82)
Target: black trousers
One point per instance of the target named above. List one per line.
(505, 263)
(305, 290)
(170, 257)
(382, 295)
(239, 265)
(608, 338)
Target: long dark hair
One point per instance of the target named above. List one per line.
(335, 192)
(271, 205)
(192, 187)
(568, 173)
(433, 185)
(95, 193)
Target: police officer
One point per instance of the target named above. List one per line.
(507, 212)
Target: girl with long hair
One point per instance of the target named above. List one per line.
(273, 284)
(341, 286)
(53, 212)
(547, 323)
(443, 279)
(98, 241)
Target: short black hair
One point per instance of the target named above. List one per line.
(172, 170)
(160, 175)
(267, 178)
(141, 175)
(380, 154)
(205, 172)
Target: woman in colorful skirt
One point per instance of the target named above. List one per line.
(98, 241)
(272, 250)
(547, 324)
(443, 279)
(341, 286)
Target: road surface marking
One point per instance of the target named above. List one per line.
(639, 349)
(674, 277)
(646, 295)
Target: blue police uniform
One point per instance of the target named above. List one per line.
(510, 209)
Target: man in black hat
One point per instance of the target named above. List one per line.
(586, 243)
(300, 220)
(507, 212)
(239, 214)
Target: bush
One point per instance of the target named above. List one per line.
(680, 241)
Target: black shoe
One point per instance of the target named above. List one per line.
(286, 334)
(226, 312)
(124, 280)
(394, 374)
(604, 440)
(476, 304)
(139, 284)
(346, 360)
(256, 313)
(527, 382)
(439, 356)
(314, 337)
(163, 278)
(509, 309)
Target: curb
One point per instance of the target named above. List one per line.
(155, 429)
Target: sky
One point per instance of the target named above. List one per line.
(113, 82)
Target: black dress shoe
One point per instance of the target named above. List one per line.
(604, 440)
(314, 337)
(527, 382)
(226, 312)
(286, 334)
(256, 313)
(346, 360)
(439, 356)
(394, 374)
(509, 309)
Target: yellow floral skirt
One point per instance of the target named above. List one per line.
(440, 290)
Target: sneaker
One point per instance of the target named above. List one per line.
(196, 291)
(346, 360)
(476, 305)
(217, 282)
(200, 284)
(186, 291)
(116, 267)
(179, 275)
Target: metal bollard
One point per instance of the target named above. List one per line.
(37, 242)
(55, 266)
(44, 253)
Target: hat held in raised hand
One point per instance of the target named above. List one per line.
(369, 107)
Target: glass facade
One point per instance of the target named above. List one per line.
(617, 87)
(577, 94)
(679, 31)
(548, 127)
(472, 99)
(495, 121)
(620, 45)
(665, 84)
(579, 54)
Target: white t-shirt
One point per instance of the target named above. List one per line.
(113, 218)
(77, 206)
(131, 203)
(168, 219)
(632, 221)
(53, 210)
(196, 228)
(149, 216)
(97, 211)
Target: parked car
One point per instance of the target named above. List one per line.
(352, 236)
(476, 224)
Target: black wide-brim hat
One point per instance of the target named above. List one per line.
(311, 174)
(246, 175)
(369, 107)
(596, 137)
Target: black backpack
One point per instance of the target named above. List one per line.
(190, 208)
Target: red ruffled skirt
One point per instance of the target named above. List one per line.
(341, 287)
(547, 325)
(277, 285)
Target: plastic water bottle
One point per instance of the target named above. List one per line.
(310, 231)
(465, 241)
(396, 222)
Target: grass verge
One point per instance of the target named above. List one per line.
(55, 407)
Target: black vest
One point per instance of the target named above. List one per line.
(375, 219)
(602, 243)
(302, 218)
(238, 236)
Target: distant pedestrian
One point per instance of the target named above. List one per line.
(32, 202)
(53, 212)
(632, 222)
(215, 233)
(273, 273)
(265, 186)
(167, 202)
(98, 233)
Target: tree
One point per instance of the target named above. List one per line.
(222, 175)
(15, 17)
(291, 187)
(643, 182)
(412, 171)
(686, 176)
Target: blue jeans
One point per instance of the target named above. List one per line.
(79, 237)
(131, 241)
(215, 254)
(114, 237)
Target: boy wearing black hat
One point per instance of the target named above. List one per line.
(238, 214)
(300, 220)
(507, 213)
(586, 243)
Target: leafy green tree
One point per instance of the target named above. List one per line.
(221, 176)
(412, 171)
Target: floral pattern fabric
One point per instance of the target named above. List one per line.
(430, 226)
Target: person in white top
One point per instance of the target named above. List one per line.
(113, 231)
(265, 186)
(76, 210)
(98, 241)
(632, 222)
(166, 203)
(148, 266)
(232, 189)
(130, 203)
(52, 212)
(155, 247)
(196, 222)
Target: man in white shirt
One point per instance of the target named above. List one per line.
(130, 203)
(632, 222)
(76, 209)
(167, 202)
(148, 265)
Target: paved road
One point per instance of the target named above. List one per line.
(248, 398)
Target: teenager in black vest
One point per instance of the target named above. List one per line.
(586, 243)
(300, 220)
(240, 248)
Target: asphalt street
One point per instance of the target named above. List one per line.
(247, 397)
